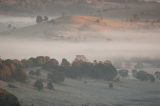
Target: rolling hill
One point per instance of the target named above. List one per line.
(75, 28)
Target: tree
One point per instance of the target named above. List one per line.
(65, 63)
(45, 18)
(39, 19)
(65, 67)
(81, 58)
(41, 60)
(104, 71)
(110, 85)
(144, 76)
(50, 86)
(52, 64)
(9, 26)
(39, 85)
(151, 77)
(134, 72)
(157, 75)
(123, 73)
(20, 75)
(56, 76)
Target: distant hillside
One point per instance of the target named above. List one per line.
(118, 9)
(74, 27)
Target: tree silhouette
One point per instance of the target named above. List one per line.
(38, 85)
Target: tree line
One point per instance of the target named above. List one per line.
(77, 69)
(15, 69)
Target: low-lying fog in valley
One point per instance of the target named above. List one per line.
(79, 53)
(95, 45)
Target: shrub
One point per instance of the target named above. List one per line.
(157, 75)
(38, 85)
(123, 73)
(151, 77)
(39, 19)
(50, 86)
(144, 76)
(56, 76)
(45, 18)
(110, 85)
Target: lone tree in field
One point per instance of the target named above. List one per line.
(110, 85)
(39, 19)
(157, 75)
(123, 73)
(50, 86)
(45, 18)
(56, 76)
(38, 85)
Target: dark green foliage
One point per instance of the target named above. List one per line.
(36, 73)
(52, 64)
(104, 71)
(20, 75)
(38, 61)
(110, 85)
(80, 67)
(65, 63)
(39, 85)
(144, 76)
(50, 86)
(117, 79)
(56, 76)
(157, 75)
(123, 73)
(151, 77)
(65, 67)
(8, 99)
(39, 19)
(99, 70)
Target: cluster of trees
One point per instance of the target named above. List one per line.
(79, 68)
(35, 73)
(99, 70)
(39, 85)
(12, 70)
(40, 19)
(123, 73)
(143, 76)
